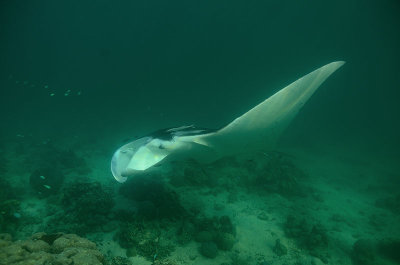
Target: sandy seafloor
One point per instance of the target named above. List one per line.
(342, 187)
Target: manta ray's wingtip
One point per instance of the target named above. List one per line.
(330, 68)
(337, 63)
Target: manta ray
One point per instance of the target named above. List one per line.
(257, 129)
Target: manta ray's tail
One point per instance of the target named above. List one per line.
(260, 127)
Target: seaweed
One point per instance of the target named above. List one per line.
(145, 239)
(120, 261)
(3, 164)
(185, 232)
(218, 232)
(382, 251)
(154, 199)
(279, 248)
(280, 175)
(9, 215)
(310, 236)
(391, 203)
(9, 207)
(88, 201)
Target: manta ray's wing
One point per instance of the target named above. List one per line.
(260, 127)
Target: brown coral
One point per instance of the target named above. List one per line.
(41, 248)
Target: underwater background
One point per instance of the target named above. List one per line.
(78, 79)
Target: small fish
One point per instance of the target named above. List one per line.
(17, 215)
(47, 186)
(42, 177)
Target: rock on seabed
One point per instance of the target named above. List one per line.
(42, 248)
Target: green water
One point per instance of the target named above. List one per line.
(88, 75)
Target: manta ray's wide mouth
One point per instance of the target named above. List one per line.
(138, 156)
(122, 157)
(115, 167)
